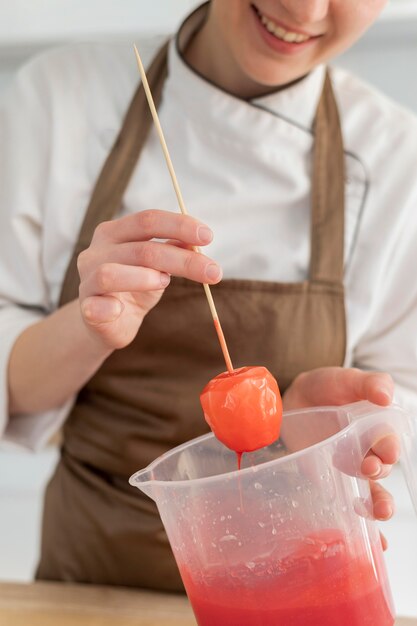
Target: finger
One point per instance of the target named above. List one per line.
(379, 461)
(179, 244)
(99, 310)
(116, 278)
(373, 468)
(388, 449)
(377, 387)
(383, 502)
(146, 225)
(338, 385)
(166, 258)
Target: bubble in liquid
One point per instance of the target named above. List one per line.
(333, 550)
(250, 565)
(295, 504)
(228, 538)
(258, 486)
(274, 531)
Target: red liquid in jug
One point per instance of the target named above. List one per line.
(318, 584)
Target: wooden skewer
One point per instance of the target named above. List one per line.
(183, 209)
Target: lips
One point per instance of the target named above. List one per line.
(281, 32)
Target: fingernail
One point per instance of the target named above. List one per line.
(376, 473)
(87, 312)
(204, 234)
(389, 512)
(386, 392)
(165, 280)
(213, 272)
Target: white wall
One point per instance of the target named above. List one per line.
(37, 20)
(28, 26)
(387, 58)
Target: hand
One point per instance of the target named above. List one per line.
(336, 386)
(124, 271)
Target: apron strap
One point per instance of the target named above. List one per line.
(328, 192)
(111, 184)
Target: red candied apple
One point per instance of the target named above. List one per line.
(243, 408)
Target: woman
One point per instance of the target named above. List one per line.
(315, 240)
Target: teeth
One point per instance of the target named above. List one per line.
(291, 37)
(281, 33)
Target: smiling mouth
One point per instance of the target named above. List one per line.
(279, 32)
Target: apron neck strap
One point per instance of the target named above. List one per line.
(328, 191)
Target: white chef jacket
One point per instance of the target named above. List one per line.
(244, 169)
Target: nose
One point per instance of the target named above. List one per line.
(307, 11)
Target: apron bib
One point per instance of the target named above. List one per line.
(145, 398)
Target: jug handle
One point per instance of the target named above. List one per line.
(367, 423)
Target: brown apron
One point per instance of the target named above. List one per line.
(145, 398)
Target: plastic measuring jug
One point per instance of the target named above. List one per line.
(290, 538)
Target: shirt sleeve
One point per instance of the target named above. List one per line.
(25, 160)
(390, 341)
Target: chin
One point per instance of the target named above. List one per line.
(275, 76)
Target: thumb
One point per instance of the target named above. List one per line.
(98, 310)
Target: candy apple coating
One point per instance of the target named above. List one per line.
(243, 408)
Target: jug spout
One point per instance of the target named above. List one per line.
(143, 480)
